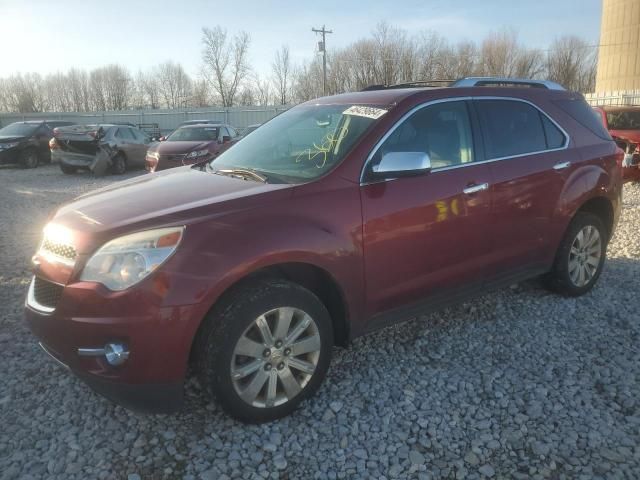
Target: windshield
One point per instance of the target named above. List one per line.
(629, 120)
(194, 134)
(19, 129)
(301, 144)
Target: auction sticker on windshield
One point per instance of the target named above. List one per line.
(362, 111)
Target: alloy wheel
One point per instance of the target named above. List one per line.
(584, 256)
(275, 358)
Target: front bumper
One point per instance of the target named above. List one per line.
(9, 156)
(148, 398)
(88, 315)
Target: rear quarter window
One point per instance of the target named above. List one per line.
(581, 112)
(555, 138)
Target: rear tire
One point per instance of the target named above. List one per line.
(29, 158)
(118, 165)
(67, 170)
(264, 349)
(580, 257)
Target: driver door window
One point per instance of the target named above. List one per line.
(442, 130)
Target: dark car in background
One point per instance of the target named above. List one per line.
(27, 143)
(623, 124)
(190, 144)
(200, 122)
(249, 129)
(99, 148)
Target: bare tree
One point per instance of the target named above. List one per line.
(572, 63)
(200, 93)
(263, 95)
(79, 87)
(174, 84)
(281, 74)
(225, 62)
(389, 55)
(25, 93)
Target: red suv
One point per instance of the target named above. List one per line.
(623, 123)
(336, 218)
(189, 144)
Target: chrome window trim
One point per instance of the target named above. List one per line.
(33, 303)
(452, 167)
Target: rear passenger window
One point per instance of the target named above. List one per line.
(125, 134)
(555, 138)
(580, 110)
(511, 128)
(442, 130)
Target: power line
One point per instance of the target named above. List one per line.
(323, 31)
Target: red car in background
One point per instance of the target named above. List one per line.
(334, 219)
(190, 144)
(623, 123)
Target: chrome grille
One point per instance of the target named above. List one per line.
(59, 249)
(172, 158)
(46, 293)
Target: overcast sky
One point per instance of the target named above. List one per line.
(46, 36)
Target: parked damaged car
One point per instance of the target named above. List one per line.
(190, 144)
(99, 148)
(623, 123)
(26, 143)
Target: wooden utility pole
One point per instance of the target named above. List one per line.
(323, 49)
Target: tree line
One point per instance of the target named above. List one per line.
(387, 56)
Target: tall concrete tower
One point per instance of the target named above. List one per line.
(619, 53)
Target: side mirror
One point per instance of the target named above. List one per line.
(402, 164)
(226, 139)
(162, 139)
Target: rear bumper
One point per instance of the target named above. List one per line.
(79, 160)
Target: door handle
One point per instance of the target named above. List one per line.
(475, 188)
(561, 166)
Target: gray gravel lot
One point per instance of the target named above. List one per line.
(517, 384)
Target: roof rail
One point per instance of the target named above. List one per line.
(506, 82)
(412, 84)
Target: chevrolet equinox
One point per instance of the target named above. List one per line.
(336, 218)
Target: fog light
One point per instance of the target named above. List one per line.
(115, 353)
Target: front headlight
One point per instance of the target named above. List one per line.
(198, 153)
(7, 146)
(126, 260)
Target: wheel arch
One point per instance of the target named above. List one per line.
(603, 208)
(308, 275)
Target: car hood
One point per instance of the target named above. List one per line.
(10, 138)
(173, 148)
(178, 196)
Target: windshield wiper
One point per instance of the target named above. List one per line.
(242, 172)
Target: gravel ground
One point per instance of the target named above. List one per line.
(517, 384)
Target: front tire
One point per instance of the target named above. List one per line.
(265, 349)
(29, 158)
(580, 257)
(67, 170)
(118, 164)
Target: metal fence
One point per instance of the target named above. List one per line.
(630, 97)
(167, 119)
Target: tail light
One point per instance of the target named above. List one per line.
(53, 144)
(619, 157)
